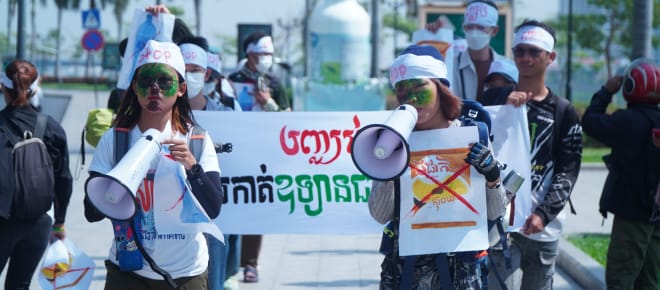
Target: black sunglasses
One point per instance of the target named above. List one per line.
(164, 83)
(531, 51)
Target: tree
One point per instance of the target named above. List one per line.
(11, 11)
(33, 26)
(642, 28)
(61, 5)
(118, 11)
(602, 32)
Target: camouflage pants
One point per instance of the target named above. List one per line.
(466, 273)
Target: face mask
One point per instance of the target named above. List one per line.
(195, 83)
(209, 88)
(477, 39)
(265, 62)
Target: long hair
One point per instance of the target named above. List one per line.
(22, 74)
(450, 104)
(130, 110)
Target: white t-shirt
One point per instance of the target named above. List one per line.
(183, 253)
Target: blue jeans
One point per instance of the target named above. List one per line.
(532, 264)
(223, 259)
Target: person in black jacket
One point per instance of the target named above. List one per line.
(24, 241)
(633, 256)
(556, 152)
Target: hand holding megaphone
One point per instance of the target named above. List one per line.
(380, 151)
(113, 193)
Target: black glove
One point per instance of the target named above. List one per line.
(483, 161)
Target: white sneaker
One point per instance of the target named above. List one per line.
(232, 283)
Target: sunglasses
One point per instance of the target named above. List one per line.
(164, 83)
(531, 51)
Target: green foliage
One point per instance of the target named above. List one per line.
(614, 20)
(594, 245)
(405, 25)
(176, 10)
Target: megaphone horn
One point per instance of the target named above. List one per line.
(113, 193)
(380, 151)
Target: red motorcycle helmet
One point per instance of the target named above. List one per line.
(641, 82)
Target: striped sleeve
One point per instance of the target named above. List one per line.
(381, 201)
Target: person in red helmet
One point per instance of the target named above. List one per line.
(633, 256)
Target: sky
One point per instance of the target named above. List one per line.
(220, 18)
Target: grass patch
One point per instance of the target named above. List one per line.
(594, 154)
(76, 86)
(594, 245)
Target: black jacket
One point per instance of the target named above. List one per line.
(634, 162)
(25, 118)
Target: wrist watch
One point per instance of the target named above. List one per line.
(195, 170)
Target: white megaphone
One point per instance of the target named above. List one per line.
(380, 151)
(113, 193)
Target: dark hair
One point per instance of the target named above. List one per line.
(130, 110)
(450, 104)
(122, 46)
(196, 40)
(22, 74)
(487, 2)
(180, 31)
(533, 22)
(253, 38)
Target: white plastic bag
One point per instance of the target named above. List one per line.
(65, 266)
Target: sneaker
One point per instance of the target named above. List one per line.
(232, 283)
(250, 274)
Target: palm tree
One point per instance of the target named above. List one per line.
(61, 5)
(119, 9)
(33, 26)
(198, 19)
(11, 11)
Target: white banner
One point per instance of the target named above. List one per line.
(291, 172)
(511, 146)
(443, 200)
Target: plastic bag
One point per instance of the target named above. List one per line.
(65, 266)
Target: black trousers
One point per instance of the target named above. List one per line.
(23, 242)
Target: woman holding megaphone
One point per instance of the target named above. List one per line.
(419, 78)
(158, 244)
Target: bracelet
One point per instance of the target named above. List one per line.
(59, 229)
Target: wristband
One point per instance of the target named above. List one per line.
(59, 229)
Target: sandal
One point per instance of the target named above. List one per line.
(250, 274)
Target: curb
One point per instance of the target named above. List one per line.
(582, 268)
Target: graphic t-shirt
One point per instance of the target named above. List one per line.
(179, 250)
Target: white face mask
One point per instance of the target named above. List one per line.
(477, 39)
(209, 88)
(195, 82)
(265, 62)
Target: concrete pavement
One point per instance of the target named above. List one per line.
(309, 261)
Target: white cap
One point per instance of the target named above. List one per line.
(480, 13)
(214, 62)
(193, 54)
(162, 52)
(505, 67)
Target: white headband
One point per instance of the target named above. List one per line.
(536, 36)
(480, 13)
(410, 66)
(7, 83)
(214, 62)
(162, 52)
(193, 54)
(264, 45)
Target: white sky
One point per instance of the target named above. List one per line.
(219, 17)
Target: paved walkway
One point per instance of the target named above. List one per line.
(293, 262)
